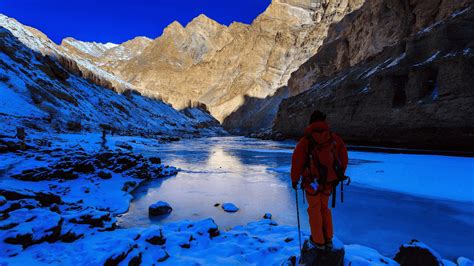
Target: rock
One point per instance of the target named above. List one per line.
(267, 216)
(104, 175)
(3, 200)
(47, 199)
(417, 253)
(129, 185)
(155, 237)
(162, 255)
(123, 145)
(315, 257)
(28, 227)
(159, 208)
(92, 217)
(229, 207)
(155, 160)
(84, 167)
(67, 174)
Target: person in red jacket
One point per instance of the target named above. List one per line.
(317, 158)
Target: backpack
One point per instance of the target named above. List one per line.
(324, 167)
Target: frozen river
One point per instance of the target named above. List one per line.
(393, 197)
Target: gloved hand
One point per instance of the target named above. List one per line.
(294, 185)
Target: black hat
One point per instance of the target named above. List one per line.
(317, 116)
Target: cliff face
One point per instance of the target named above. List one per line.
(367, 32)
(222, 66)
(393, 72)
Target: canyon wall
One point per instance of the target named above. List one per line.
(391, 73)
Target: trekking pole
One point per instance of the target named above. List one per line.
(298, 216)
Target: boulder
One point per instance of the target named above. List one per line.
(123, 145)
(229, 207)
(316, 257)
(104, 175)
(419, 254)
(155, 160)
(155, 237)
(159, 208)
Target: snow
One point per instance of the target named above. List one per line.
(421, 175)
(365, 90)
(90, 217)
(229, 207)
(396, 61)
(160, 204)
(40, 224)
(429, 60)
(14, 104)
(421, 245)
(359, 255)
(91, 48)
(462, 261)
(33, 39)
(124, 112)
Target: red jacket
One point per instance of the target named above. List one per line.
(320, 132)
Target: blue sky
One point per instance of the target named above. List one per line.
(120, 20)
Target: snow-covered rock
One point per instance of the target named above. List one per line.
(159, 208)
(267, 216)
(417, 253)
(462, 261)
(27, 227)
(357, 255)
(229, 207)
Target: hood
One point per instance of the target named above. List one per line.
(319, 131)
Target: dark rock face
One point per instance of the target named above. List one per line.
(156, 239)
(415, 92)
(255, 115)
(417, 254)
(159, 208)
(315, 257)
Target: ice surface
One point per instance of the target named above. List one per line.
(253, 174)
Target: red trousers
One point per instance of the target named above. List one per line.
(320, 218)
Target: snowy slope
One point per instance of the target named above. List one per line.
(91, 48)
(40, 94)
(78, 62)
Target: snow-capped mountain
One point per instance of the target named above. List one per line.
(39, 92)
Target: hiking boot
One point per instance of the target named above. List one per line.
(329, 245)
(312, 245)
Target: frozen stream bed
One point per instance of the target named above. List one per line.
(393, 197)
